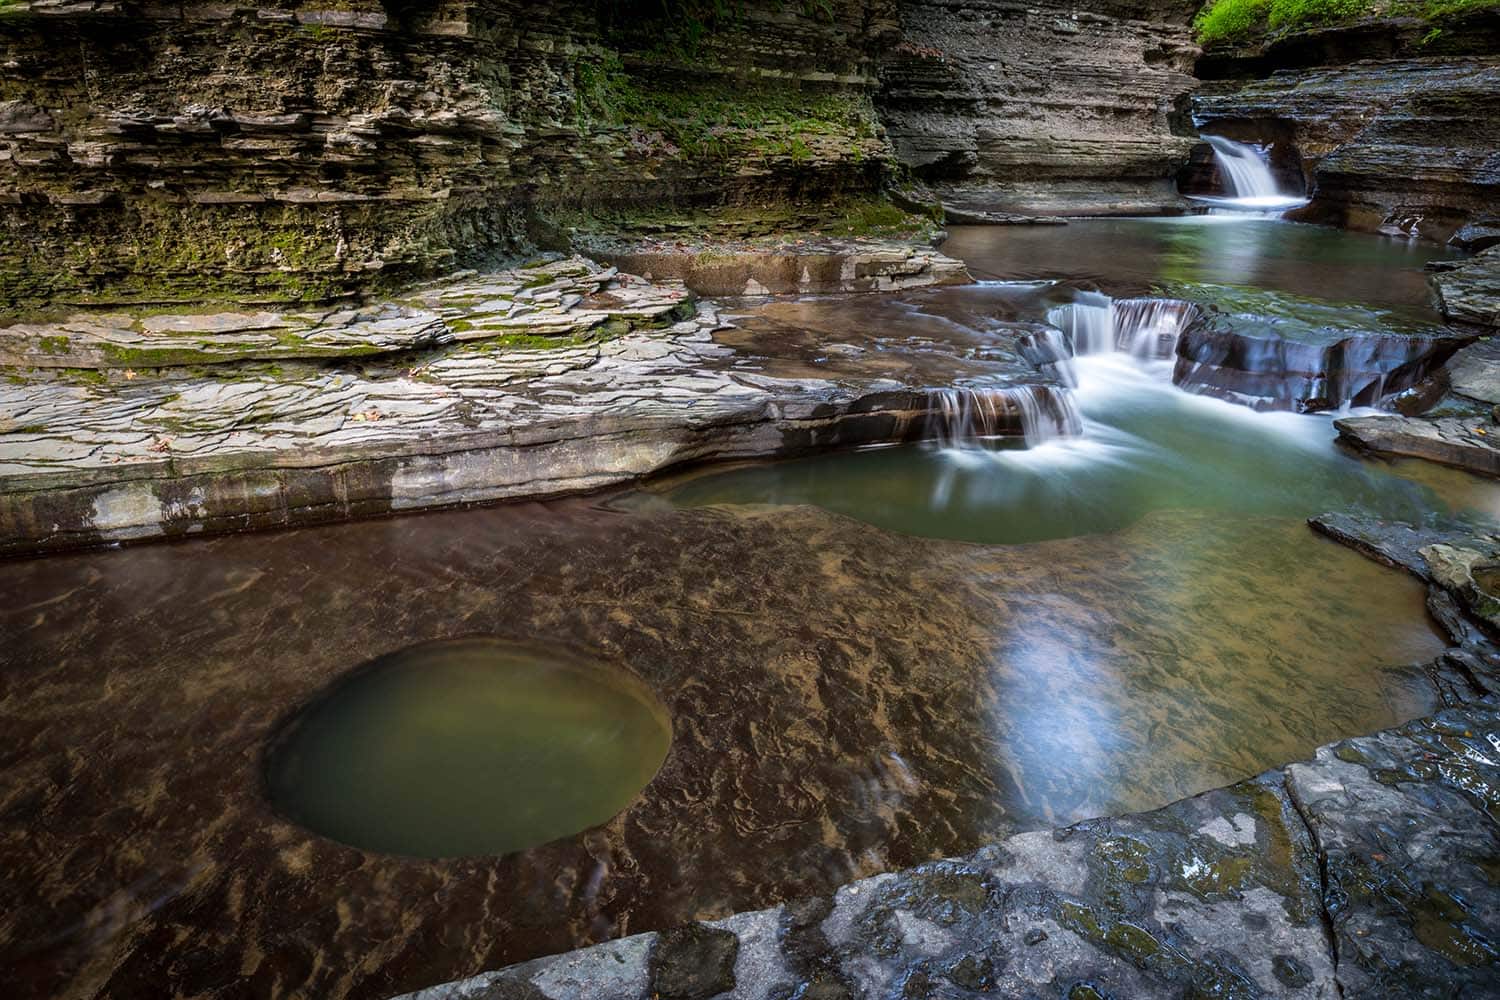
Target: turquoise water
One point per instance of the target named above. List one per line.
(1145, 447)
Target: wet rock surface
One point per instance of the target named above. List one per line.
(771, 267)
(1399, 145)
(1469, 291)
(1281, 352)
(546, 380)
(1464, 442)
(1365, 872)
(1461, 431)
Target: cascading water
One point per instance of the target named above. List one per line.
(968, 417)
(1147, 329)
(1247, 171)
(1245, 167)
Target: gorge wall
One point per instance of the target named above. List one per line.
(167, 153)
(1397, 126)
(1037, 106)
(298, 150)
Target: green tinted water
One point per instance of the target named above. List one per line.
(466, 747)
(1146, 447)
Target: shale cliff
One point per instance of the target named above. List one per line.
(1034, 106)
(1396, 126)
(283, 151)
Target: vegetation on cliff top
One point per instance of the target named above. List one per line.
(1240, 20)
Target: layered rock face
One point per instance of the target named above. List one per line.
(288, 151)
(1395, 134)
(1032, 106)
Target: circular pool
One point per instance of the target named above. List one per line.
(468, 747)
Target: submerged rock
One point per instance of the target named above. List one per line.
(1363, 872)
(781, 267)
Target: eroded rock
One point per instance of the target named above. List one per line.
(1469, 292)
(1466, 443)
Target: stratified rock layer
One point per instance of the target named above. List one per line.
(1463, 442)
(1394, 135)
(1469, 291)
(1041, 107)
(533, 382)
(1250, 361)
(292, 152)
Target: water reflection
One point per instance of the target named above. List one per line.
(1130, 256)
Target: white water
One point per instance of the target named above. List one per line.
(1146, 329)
(965, 418)
(1251, 184)
(1117, 358)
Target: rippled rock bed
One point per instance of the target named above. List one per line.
(1365, 872)
(846, 701)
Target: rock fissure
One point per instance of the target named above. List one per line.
(1325, 914)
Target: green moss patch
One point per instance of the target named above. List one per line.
(1246, 20)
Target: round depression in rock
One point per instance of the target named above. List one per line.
(468, 747)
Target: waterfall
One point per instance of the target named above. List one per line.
(1144, 328)
(966, 417)
(1246, 168)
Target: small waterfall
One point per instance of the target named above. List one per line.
(1245, 167)
(1145, 328)
(1150, 328)
(1088, 324)
(966, 417)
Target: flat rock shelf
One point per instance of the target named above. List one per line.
(559, 378)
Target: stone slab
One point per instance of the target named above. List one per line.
(567, 297)
(1469, 292)
(1465, 443)
(166, 452)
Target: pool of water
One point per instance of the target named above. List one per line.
(869, 659)
(1145, 446)
(1131, 256)
(468, 746)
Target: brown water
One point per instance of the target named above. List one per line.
(1131, 256)
(864, 666)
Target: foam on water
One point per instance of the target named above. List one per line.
(1252, 186)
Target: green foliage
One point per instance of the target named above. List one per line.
(1226, 20)
(1221, 19)
(1299, 13)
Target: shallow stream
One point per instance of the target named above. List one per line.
(867, 659)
